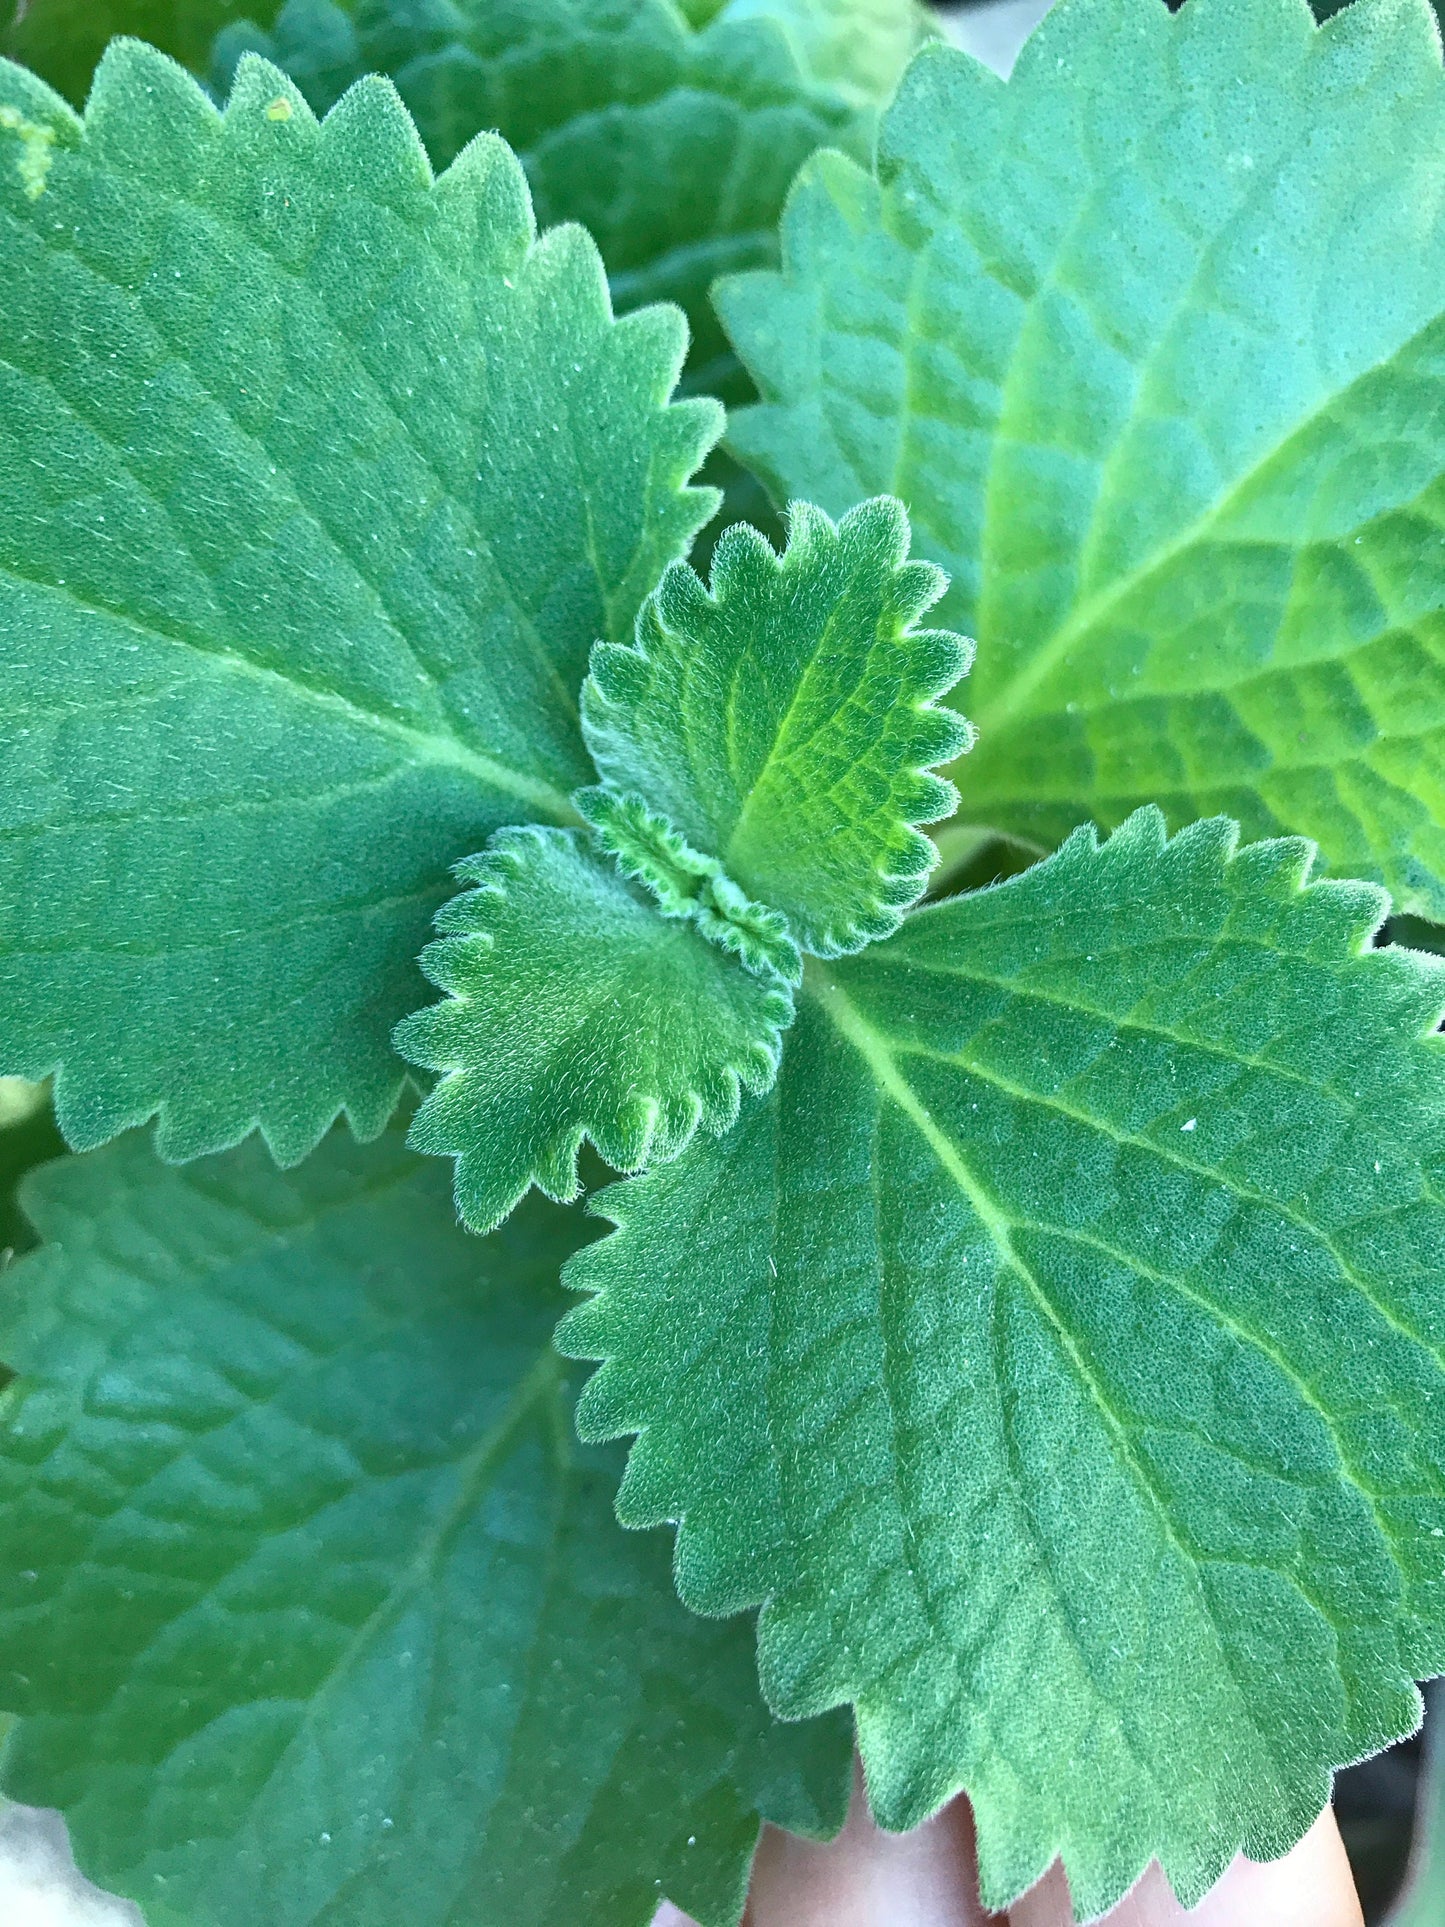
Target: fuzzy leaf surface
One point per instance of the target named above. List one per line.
(1151, 342)
(783, 718)
(313, 1609)
(1059, 1352)
(575, 1009)
(318, 479)
(674, 146)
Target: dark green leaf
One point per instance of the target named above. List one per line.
(28, 1136)
(315, 1613)
(62, 40)
(318, 479)
(675, 147)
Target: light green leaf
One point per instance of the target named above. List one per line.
(784, 719)
(674, 147)
(1150, 342)
(314, 1611)
(574, 1010)
(317, 482)
(860, 45)
(62, 40)
(1059, 1353)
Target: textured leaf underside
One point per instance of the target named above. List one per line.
(318, 480)
(1150, 341)
(313, 1609)
(1059, 1352)
(674, 147)
(575, 1009)
(783, 720)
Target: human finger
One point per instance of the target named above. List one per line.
(868, 1878)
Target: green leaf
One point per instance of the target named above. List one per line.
(62, 40)
(318, 479)
(674, 147)
(784, 721)
(1059, 1353)
(574, 1009)
(1150, 342)
(313, 1610)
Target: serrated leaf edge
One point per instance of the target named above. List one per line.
(651, 1129)
(713, 1580)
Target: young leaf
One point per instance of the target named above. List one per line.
(685, 883)
(1149, 340)
(313, 1610)
(318, 479)
(574, 1009)
(1059, 1354)
(784, 719)
(674, 147)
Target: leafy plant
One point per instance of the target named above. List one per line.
(1029, 1299)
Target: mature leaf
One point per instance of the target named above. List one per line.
(317, 482)
(783, 720)
(675, 147)
(62, 40)
(1423, 1904)
(573, 1009)
(1150, 342)
(314, 1612)
(1060, 1354)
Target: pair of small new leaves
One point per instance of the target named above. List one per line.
(765, 750)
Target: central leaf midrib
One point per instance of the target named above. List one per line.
(475, 1468)
(780, 750)
(439, 748)
(854, 1028)
(891, 1079)
(996, 716)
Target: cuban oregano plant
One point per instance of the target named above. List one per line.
(1027, 1298)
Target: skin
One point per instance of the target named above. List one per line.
(866, 1878)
